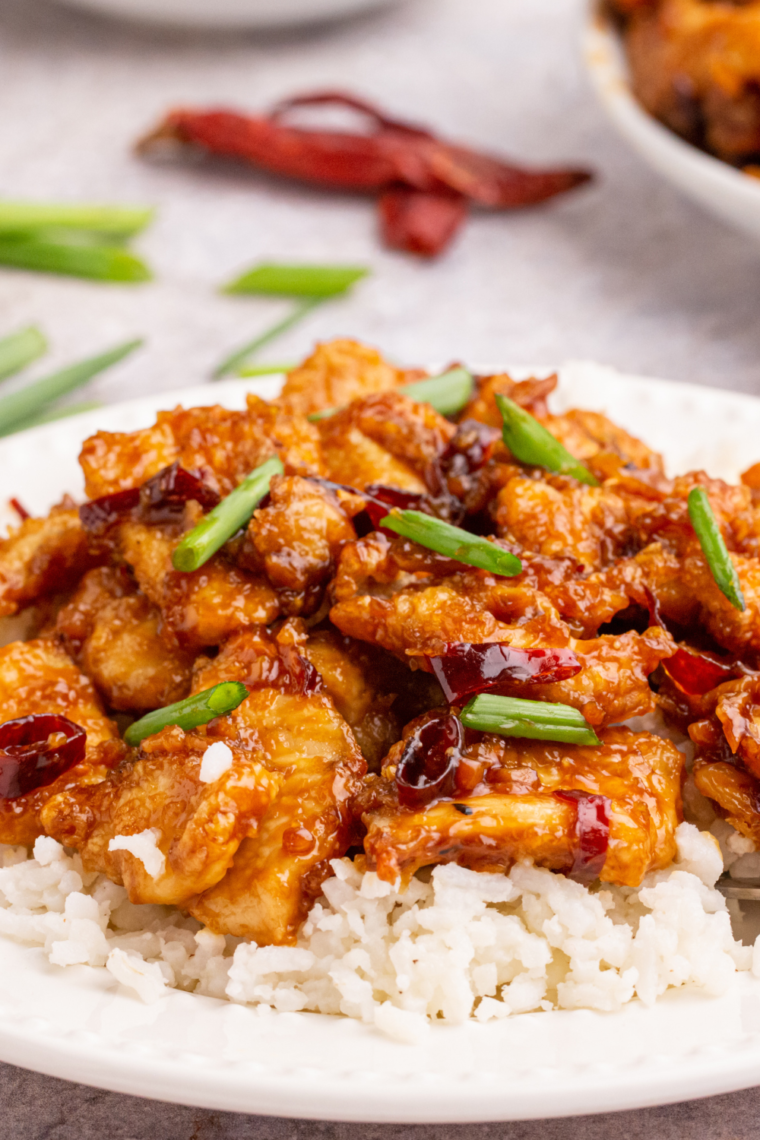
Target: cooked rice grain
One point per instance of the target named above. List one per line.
(454, 945)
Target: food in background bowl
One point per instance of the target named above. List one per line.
(695, 65)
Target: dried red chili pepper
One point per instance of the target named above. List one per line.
(159, 499)
(100, 514)
(395, 158)
(20, 509)
(697, 671)
(419, 222)
(592, 834)
(171, 488)
(464, 669)
(428, 764)
(36, 750)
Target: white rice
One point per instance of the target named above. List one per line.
(456, 944)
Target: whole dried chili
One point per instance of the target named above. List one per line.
(464, 669)
(592, 834)
(35, 750)
(428, 764)
(426, 185)
(159, 499)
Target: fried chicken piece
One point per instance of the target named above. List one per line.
(114, 633)
(562, 517)
(530, 394)
(736, 792)
(386, 438)
(202, 607)
(41, 557)
(696, 66)
(300, 737)
(508, 811)
(38, 677)
(420, 619)
(245, 850)
(337, 373)
(224, 445)
(197, 826)
(298, 537)
(363, 687)
(590, 435)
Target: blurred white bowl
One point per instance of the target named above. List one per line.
(228, 13)
(720, 188)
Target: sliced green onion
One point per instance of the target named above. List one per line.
(30, 401)
(76, 259)
(220, 700)
(453, 542)
(238, 359)
(53, 414)
(266, 369)
(447, 393)
(298, 280)
(116, 221)
(531, 443)
(324, 414)
(226, 519)
(534, 720)
(714, 548)
(20, 349)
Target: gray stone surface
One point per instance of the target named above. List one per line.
(625, 272)
(40, 1108)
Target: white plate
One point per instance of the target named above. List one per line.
(720, 188)
(228, 13)
(77, 1023)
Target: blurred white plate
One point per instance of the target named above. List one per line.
(79, 1024)
(228, 13)
(720, 188)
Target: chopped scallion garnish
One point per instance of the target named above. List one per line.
(266, 369)
(73, 258)
(115, 221)
(20, 349)
(320, 281)
(232, 364)
(534, 720)
(453, 542)
(194, 711)
(28, 402)
(226, 519)
(531, 443)
(714, 548)
(447, 393)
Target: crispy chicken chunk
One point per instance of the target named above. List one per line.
(41, 557)
(507, 809)
(247, 850)
(419, 619)
(386, 438)
(298, 537)
(199, 608)
(113, 631)
(337, 373)
(38, 677)
(224, 445)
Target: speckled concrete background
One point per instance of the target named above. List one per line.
(625, 272)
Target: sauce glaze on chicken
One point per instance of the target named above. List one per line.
(331, 623)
